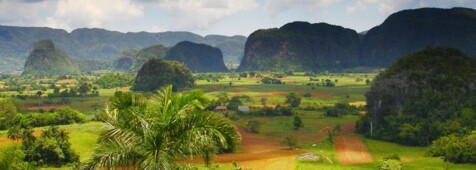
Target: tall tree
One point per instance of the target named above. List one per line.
(152, 134)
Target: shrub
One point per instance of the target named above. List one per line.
(390, 164)
(290, 141)
(253, 126)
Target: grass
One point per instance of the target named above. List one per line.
(413, 158)
(84, 136)
(278, 127)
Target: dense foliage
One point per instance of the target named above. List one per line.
(268, 80)
(424, 96)
(113, 80)
(301, 46)
(46, 60)
(340, 109)
(152, 134)
(268, 111)
(157, 73)
(456, 149)
(408, 31)
(293, 99)
(197, 57)
(52, 148)
(61, 116)
(145, 54)
(12, 157)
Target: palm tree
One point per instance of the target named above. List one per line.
(14, 133)
(154, 133)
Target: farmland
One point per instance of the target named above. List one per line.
(263, 150)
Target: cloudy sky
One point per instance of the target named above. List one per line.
(226, 17)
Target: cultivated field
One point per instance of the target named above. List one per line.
(263, 150)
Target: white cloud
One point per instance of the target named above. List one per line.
(200, 14)
(391, 6)
(18, 13)
(275, 7)
(72, 14)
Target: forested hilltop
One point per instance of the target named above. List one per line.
(424, 96)
(301, 46)
(197, 57)
(305, 46)
(46, 60)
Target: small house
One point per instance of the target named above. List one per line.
(243, 108)
(220, 108)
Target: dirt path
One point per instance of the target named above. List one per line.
(351, 150)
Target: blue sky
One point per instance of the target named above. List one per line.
(225, 17)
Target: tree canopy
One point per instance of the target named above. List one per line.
(153, 133)
(157, 73)
(424, 96)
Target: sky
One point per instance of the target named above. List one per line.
(204, 17)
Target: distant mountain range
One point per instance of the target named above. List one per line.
(305, 46)
(297, 46)
(100, 44)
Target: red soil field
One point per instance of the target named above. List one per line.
(350, 150)
(44, 107)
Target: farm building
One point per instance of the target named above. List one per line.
(220, 108)
(244, 108)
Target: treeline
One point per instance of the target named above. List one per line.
(113, 80)
(11, 116)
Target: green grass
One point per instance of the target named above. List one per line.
(413, 158)
(278, 127)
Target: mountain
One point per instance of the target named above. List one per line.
(408, 31)
(301, 46)
(132, 60)
(422, 97)
(46, 60)
(231, 47)
(197, 57)
(100, 44)
(156, 73)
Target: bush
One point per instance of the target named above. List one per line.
(290, 141)
(253, 126)
(390, 164)
(297, 123)
(454, 148)
(293, 100)
(340, 109)
(268, 80)
(392, 157)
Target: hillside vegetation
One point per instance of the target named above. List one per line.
(424, 96)
(197, 57)
(301, 46)
(157, 73)
(46, 60)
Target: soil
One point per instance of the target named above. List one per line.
(44, 107)
(351, 150)
(258, 153)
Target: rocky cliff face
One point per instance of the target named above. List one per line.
(197, 57)
(301, 46)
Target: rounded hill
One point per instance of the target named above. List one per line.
(422, 97)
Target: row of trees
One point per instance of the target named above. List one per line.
(11, 116)
(52, 148)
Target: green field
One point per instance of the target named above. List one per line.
(350, 88)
